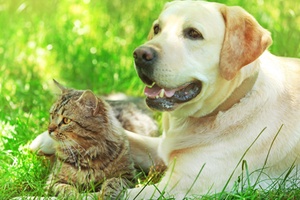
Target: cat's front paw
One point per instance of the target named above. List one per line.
(63, 191)
(69, 194)
(114, 188)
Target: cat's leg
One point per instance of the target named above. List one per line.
(114, 188)
(43, 144)
(143, 150)
(63, 191)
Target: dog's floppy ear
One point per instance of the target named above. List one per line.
(245, 40)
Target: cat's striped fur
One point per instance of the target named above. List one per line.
(92, 151)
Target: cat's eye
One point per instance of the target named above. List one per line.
(66, 120)
(51, 117)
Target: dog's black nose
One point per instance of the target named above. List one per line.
(144, 56)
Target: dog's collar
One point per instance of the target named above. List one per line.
(237, 94)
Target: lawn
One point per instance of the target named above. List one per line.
(86, 44)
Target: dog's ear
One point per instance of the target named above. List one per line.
(244, 41)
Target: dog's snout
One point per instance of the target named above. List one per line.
(144, 56)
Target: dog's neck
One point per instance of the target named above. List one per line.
(237, 94)
(240, 92)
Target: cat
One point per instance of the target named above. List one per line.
(92, 151)
(134, 115)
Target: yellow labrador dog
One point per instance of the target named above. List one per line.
(227, 102)
(225, 99)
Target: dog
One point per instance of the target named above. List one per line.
(228, 104)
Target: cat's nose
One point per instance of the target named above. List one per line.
(51, 128)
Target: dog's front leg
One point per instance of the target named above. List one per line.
(143, 150)
(43, 144)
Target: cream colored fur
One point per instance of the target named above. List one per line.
(233, 49)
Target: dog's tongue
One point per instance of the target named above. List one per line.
(155, 91)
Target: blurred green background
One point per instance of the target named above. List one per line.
(84, 44)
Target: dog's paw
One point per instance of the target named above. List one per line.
(43, 144)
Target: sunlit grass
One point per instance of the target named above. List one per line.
(85, 44)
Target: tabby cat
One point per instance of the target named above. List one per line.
(92, 151)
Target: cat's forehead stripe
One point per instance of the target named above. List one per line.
(61, 105)
(61, 111)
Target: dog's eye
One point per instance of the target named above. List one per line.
(156, 29)
(193, 34)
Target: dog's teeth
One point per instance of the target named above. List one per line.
(152, 85)
(162, 93)
(156, 97)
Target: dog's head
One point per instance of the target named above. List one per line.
(195, 53)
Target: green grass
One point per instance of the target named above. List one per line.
(88, 44)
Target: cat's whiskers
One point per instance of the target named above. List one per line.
(73, 155)
(97, 141)
(71, 151)
(67, 148)
(86, 152)
(77, 145)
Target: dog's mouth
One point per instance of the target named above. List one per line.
(164, 99)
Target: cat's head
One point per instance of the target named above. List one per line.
(78, 116)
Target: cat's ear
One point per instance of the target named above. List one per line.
(61, 87)
(89, 100)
